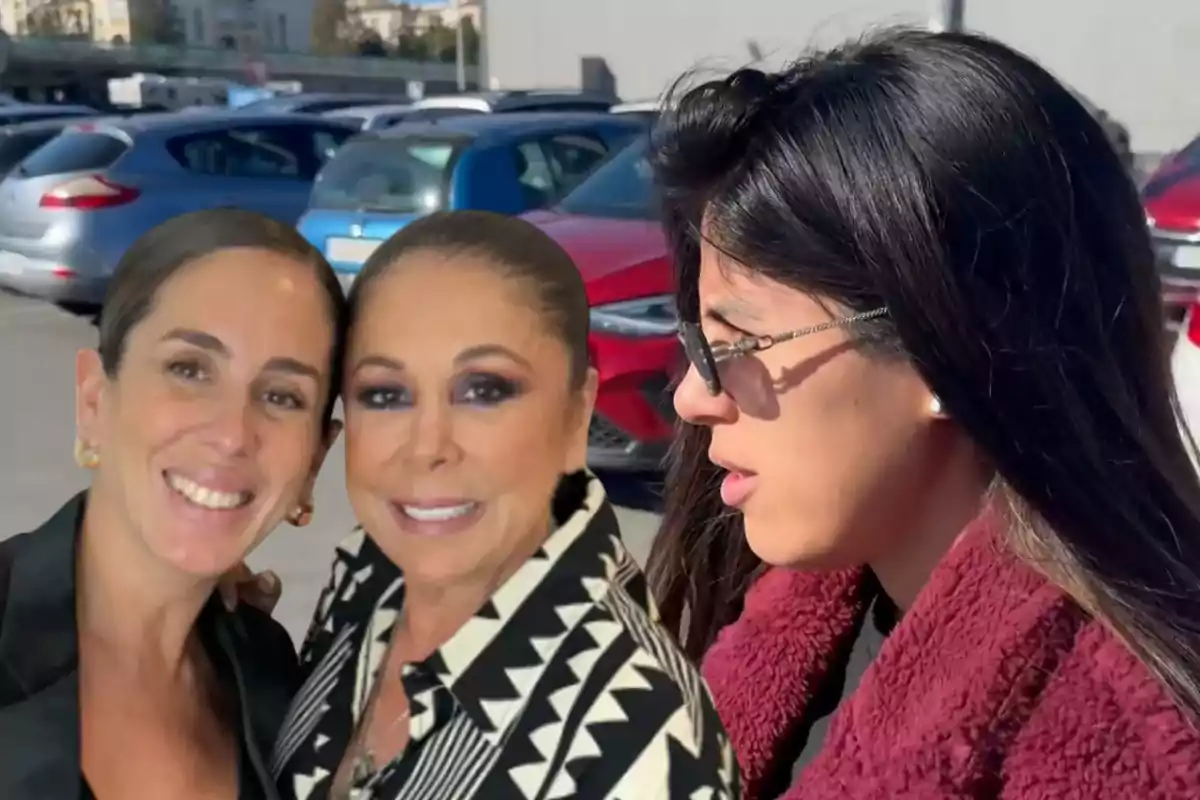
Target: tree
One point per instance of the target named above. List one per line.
(52, 19)
(412, 47)
(471, 43)
(155, 22)
(45, 23)
(332, 24)
(370, 43)
(443, 42)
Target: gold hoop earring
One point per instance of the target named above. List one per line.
(85, 455)
(301, 515)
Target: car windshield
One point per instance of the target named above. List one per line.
(386, 175)
(621, 188)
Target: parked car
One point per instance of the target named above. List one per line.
(518, 101)
(73, 206)
(377, 118)
(610, 225)
(18, 141)
(16, 114)
(646, 109)
(314, 102)
(1185, 365)
(510, 163)
(1172, 200)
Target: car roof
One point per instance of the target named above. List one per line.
(636, 106)
(171, 122)
(54, 123)
(499, 99)
(32, 108)
(370, 110)
(503, 126)
(316, 97)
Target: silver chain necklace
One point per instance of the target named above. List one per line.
(364, 766)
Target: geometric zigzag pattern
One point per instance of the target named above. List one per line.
(562, 686)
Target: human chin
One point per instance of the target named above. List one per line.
(785, 539)
(209, 519)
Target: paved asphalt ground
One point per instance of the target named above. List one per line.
(37, 350)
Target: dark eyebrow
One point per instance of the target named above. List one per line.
(206, 341)
(489, 350)
(379, 361)
(292, 366)
(470, 354)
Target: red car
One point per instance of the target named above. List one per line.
(1172, 200)
(610, 225)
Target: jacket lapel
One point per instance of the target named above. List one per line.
(39, 703)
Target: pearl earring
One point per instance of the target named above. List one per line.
(935, 406)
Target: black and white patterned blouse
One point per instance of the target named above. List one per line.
(562, 686)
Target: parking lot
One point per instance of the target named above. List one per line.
(37, 347)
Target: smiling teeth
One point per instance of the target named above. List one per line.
(205, 497)
(438, 513)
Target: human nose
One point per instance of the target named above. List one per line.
(232, 430)
(694, 403)
(432, 439)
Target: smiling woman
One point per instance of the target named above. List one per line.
(488, 636)
(203, 416)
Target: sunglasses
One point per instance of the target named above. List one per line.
(706, 358)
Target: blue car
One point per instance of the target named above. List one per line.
(508, 163)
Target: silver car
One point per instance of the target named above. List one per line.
(73, 206)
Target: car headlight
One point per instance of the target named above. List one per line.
(646, 316)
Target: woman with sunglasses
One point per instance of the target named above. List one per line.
(955, 549)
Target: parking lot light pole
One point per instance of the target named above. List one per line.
(953, 14)
(460, 57)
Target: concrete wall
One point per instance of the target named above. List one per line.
(1139, 60)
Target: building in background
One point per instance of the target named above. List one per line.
(1138, 61)
(245, 25)
(392, 20)
(249, 26)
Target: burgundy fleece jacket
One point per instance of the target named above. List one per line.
(993, 685)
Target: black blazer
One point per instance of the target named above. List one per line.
(39, 681)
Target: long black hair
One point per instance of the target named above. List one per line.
(957, 183)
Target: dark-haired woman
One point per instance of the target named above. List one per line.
(928, 379)
(203, 416)
(488, 636)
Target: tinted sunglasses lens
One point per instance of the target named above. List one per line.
(699, 354)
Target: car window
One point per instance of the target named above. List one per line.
(573, 157)
(620, 188)
(75, 151)
(17, 146)
(1190, 155)
(387, 175)
(534, 174)
(432, 114)
(570, 105)
(325, 142)
(272, 151)
(236, 153)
